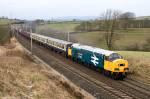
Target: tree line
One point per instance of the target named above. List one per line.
(124, 22)
(110, 21)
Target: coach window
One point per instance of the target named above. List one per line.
(62, 46)
(58, 44)
(51, 43)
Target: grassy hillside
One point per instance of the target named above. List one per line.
(4, 34)
(124, 38)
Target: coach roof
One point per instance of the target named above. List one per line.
(52, 39)
(59, 41)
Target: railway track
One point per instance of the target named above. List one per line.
(137, 86)
(138, 83)
(91, 81)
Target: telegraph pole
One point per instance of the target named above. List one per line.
(68, 36)
(13, 32)
(31, 39)
(26, 27)
(17, 33)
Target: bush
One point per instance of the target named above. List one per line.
(4, 34)
(134, 47)
(146, 46)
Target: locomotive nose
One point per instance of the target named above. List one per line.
(122, 65)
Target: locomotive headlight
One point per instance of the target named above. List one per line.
(126, 69)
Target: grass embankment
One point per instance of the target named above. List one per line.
(22, 78)
(4, 34)
(139, 64)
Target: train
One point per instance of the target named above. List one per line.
(110, 63)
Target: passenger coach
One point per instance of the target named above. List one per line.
(55, 44)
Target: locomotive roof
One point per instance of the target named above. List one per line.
(53, 39)
(93, 49)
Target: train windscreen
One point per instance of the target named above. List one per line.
(114, 56)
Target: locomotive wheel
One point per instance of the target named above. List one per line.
(118, 76)
(100, 70)
(73, 59)
(107, 73)
(123, 76)
(115, 76)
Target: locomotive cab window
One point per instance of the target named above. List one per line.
(107, 58)
(114, 56)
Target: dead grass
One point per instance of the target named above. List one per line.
(22, 78)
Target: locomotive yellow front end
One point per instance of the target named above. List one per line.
(116, 66)
(120, 65)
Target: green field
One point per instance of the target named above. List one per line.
(6, 21)
(4, 34)
(123, 39)
(90, 38)
(61, 26)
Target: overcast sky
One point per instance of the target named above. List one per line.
(33, 9)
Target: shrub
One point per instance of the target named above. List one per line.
(134, 47)
(4, 34)
(146, 46)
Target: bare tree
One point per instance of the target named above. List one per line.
(110, 22)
